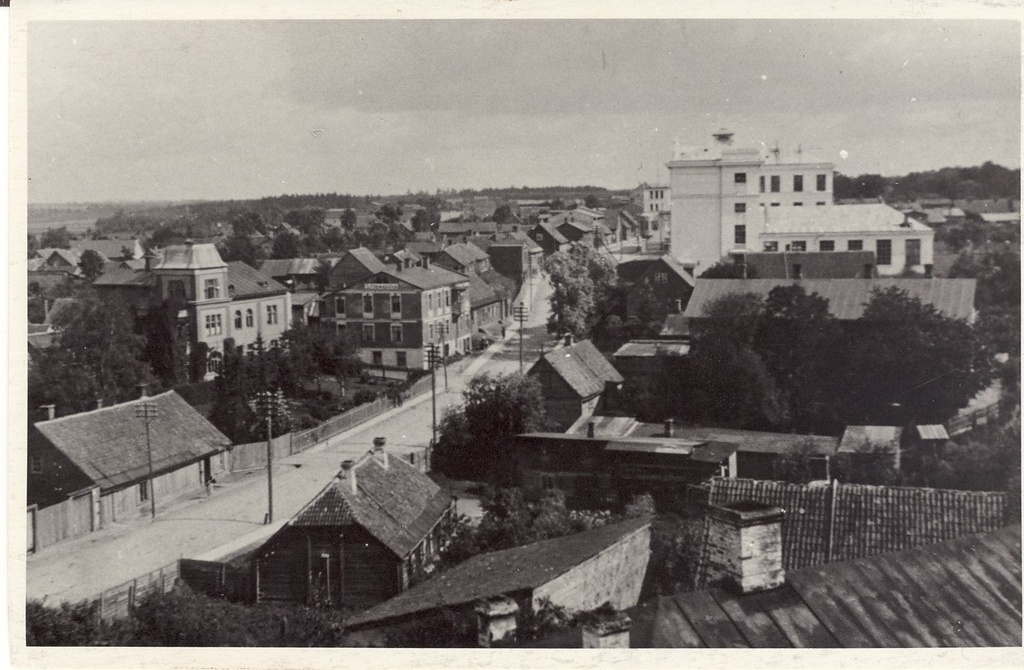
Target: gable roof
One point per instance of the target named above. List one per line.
(465, 254)
(109, 445)
(674, 267)
(865, 520)
(582, 367)
(480, 292)
(70, 256)
(126, 276)
(366, 258)
(109, 249)
(846, 297)
(282, 267)
(248, 282)
(959, 593)
(502, 572)
(398, 505)
(553, 232)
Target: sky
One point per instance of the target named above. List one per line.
(159, 110)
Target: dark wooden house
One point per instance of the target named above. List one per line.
(354, 266)
(576, 380)
(548, 238)
(374, 530)
(663, 289)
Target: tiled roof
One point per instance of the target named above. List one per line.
(190, 257)
(69, 256)
(109, 249)
(874, 218)
(866, 520)
(109, 444)
(282, 267)
(465, 254)
(367, 259)
(249, 282)
(959, 593)
(502, 572)
(398, 505)
(846, 297)
(583, 368)
(864, 438)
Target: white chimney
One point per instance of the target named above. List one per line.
(496, 621)
(51, 411)
(670, 426)
(610, 631)
(745, 546)
(348, 473)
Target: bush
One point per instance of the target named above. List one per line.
(364, 396)
(68, 625)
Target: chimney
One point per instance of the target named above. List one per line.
(99, 403)
(568, 339)
(670, 427)
(51, 411)
(590, 428)
(496, 621)
(745, 546)
(609, 631)
(143, 390)
(148, 258)
(426, 261)
(679, 306)
(398, 264)
(348, 473)
(378, 450)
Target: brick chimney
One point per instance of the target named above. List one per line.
(670, 427)
(348, 473)
(568, 339)
(745, 546)
(590, 428)
(609, 631)
(51, 411)
(399, 264)
(99, 403)
(496, 621)
(143, 390)
(426, 262)
(378, 450)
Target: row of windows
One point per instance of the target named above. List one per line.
(821, 182)
(741, 207)
(369, 330)
(215, 326)
(883, 248)
(659, 194)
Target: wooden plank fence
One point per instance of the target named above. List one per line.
(63, 521)
(119, 601)
(967, 422)
(253, 455)
(217, 579)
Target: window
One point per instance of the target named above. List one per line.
(212, 289)
(760, 182)
(367, 332)
(271, 314)
(341, 330)
(798, 183)
(820, 203)
(540, 236)
(883, 252)
(213, 324)
(822, 182)
(913, 253)
(248, 318)
(430, 302)
(798, 271)
(396, 303)
(396, 332)
(775, 204)
(447, 299)
(798, 204)
(776, 183)
(771, 246)
(367, 303)
(339, 305)
(36, 464)
(855, 245)
(238, 318)
(144, 491)
(740, 235)
(740, 178)
(401, 360)
(378, 358)
(215, 363)
(827, 245)
(430, 330)
(660, 277)
(799, 245)
(739, 207)
(176, 289)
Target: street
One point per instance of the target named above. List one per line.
(232, 517)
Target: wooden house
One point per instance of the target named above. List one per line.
(356, 265)
(576, 380)
(373, 531)
(664, 288)
(548, 238)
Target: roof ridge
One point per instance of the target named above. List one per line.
(97, 410)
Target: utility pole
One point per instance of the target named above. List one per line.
(521, 312)
(266, 404)
(147, 412)
(432, 362)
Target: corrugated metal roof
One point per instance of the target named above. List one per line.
(846, 297)
(933, 432)
(109, 444)
(650, 348)
(960, 593)
(398, 505)
(868, 520)
(872, 218)
(502, 572)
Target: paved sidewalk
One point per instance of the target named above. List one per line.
(232, 517)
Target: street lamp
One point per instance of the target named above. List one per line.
(147, 412)
(266, 405)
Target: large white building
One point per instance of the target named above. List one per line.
(726, 199)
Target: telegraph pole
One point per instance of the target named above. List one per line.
(432, 362)
(266, 404)
(521, 313)
(147, 412)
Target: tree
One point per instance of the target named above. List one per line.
(55, 238)
(349, 219)
(96, 356)
(389, 213)
(33, 245)
(308, 220)
(323, 275)
(286, 245)
(583, 282)
(247, 223)
(239, 247)
(592, 201)
(91, 264)
(503, 214)
(473, 443)
(728, 270)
